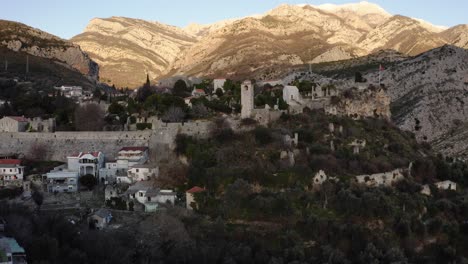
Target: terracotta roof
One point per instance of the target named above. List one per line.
(134, 149)
(10, 161)
(18, 118)
(196, 189)
(199, 91)
(81, 154)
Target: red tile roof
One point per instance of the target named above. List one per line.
(10, 161)
(81, 154)
(199, 91)
(18, 118)
(196, 189)
(134, 149)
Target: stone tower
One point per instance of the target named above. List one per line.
(247, 99)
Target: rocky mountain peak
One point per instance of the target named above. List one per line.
(19, 37)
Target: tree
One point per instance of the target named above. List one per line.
(116, 109)
(174, 114)
(88, 180)
(37, 198)
(263, 135)
(89, 117)
(219, 92)
(200, 111)
(38, 151)
(144, 91)
(173, 174)
(180, 89)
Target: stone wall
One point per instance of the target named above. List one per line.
(60, 144)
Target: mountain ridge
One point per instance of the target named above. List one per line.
(284, 36)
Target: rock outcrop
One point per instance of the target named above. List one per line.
(457, 36)
(19, 37)
(429, 94)
(127, 49)
(355, 103)
(262, 46)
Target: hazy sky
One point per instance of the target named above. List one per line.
(67, 18)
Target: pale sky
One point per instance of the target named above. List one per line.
(67, 18)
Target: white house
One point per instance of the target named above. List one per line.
(133, 156)
(381, 179)
(443, 185)
(42, 125)
(86, 163)
(190, 197)
(198, 93)
(101, 218)
(144, 193)
(11, 172)
(142, 172)
(60, 179)
(218, 84)
(71, 91)
(13, 124)
(357, 145)
(11, 251)
(111, 191)
(291, 95)
(446, 185)
(319, 178)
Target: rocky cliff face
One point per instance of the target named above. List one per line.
(457, 36)
(263, 46)
(292, 35)
(371, 102)
(19, 37)
(403, 34)
(429, 94)
(127, 49)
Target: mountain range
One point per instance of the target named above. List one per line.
(260, 46)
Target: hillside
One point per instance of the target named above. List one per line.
(20, 37)
(260, 46)
(127, 49)
(44, 73)
(403, 34)
(457, 36)
(429, 94)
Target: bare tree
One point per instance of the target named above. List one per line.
(38, 152)
(174, 114)
(173, 174)
(89, 117)
(200, 111)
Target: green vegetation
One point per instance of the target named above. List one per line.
(248, 183)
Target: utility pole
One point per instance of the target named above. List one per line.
(27, 64)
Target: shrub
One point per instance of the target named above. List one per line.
(88, 180)
(143, 126)
(263, 135)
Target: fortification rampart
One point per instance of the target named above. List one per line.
(60, 144)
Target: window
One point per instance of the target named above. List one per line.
(149, 199)
(141, 194)
(137, 170)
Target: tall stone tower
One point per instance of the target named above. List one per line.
(247, 99)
